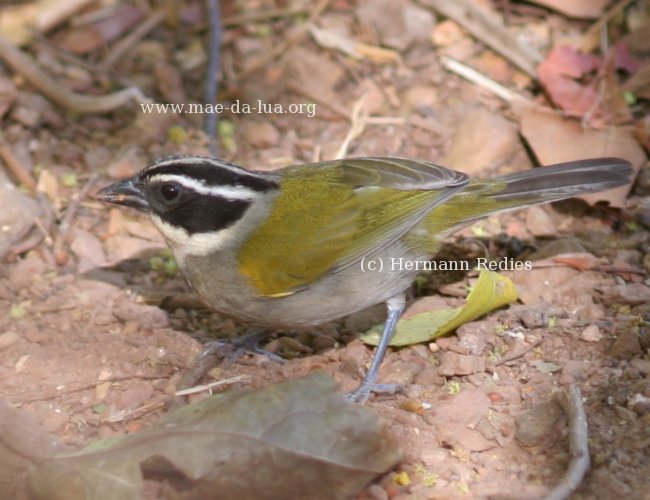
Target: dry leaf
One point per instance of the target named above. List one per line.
(582, 9)
(296, 439)
(491, 291)
(555, 140)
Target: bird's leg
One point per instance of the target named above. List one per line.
(395, 306)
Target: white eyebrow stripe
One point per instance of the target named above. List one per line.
(229, 192)
(201, 160)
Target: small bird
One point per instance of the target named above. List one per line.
(285, 249)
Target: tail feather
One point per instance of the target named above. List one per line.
(564, 180)
(522, 189)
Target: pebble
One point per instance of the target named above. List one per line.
(452, 363)
(591, 334)
(626, 345)
(573, 370)
(7, 339)
(539, 425)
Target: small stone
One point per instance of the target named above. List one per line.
(147, 316)
(452, 363)
(134, 396)
(7, 339)
(539, 222)
(400, 372)
(643, 365)
(539, 425)
(572, 371)
(591, 334)
(639, 404)
(626, 345)
(376, 492)
(26, 270)
(632, 294)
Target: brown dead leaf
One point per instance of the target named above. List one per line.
(582, 9)
(19, 23)
(22, 443)
(277, 442)
(600, 100)
(555, 140)
(85, 39)
(397, 23)
(483, 140)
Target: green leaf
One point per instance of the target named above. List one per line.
(17, 311)
(69, 179)
(492, 290)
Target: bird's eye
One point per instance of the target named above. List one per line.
(170, 191)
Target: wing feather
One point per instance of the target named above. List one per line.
(326, 220)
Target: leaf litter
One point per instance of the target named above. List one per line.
(467, 388)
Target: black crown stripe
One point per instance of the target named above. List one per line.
(212, 172)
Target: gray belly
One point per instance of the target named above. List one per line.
(350, 290)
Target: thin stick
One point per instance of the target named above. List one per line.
(15, 167)
(67, 224)
(73, 101)
(490, 30)
(516, 353)
(481, 80)
(578, 444)
(262, 15)
(212, 72)
(587, 44)
(22, 398)
(211, 385)
(357, 126)
(120, 48)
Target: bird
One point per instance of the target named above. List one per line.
(285, 248)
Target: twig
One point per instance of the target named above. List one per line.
(591, 36)
(120, 48)
(212, 73)
(517, 353)
(262, 15)
(22, 398)
(15, 167)
(138, 412)
(571, 402)
(489, 30)
(72, 101)
(358, 125)
(291, 40)
(211, 385)
(481, 80)
(67, 224)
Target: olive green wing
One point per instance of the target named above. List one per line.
(328, 216)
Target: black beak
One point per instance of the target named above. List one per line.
(125, 193)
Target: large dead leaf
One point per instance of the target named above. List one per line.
(583, 9)
(491, 291)
(22, 443)
(296, 439)
(570, 80)
(482, 141)
(555, 140)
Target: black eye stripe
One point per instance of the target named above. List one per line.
(204, 214)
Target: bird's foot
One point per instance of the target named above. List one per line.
(230, 351)
(362, 393)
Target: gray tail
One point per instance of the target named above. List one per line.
(563, 180)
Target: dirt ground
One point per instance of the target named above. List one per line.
(97, 327)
